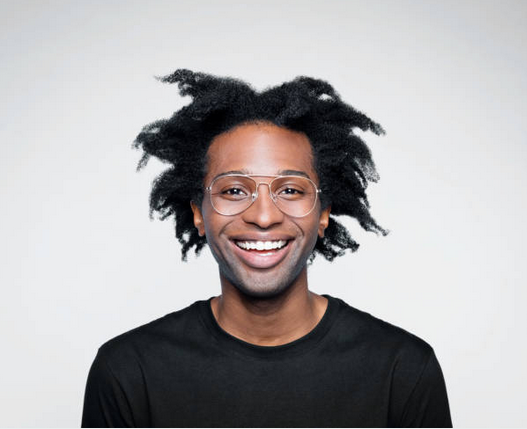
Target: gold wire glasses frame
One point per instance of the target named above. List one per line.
(229, 196)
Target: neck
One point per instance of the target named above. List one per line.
(271, 321)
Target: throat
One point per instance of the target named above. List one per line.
(286, 322)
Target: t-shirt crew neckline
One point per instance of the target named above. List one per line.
(301, 345)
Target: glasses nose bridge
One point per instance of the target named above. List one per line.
(256, 194)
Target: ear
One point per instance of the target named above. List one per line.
(323, 221)
(198, 218)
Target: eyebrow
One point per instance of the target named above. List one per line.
(280, 173)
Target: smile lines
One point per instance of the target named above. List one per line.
(261, 245)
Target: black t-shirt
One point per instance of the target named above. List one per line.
(185, 370)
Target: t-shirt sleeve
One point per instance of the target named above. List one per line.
(427, 405)
(105, 402)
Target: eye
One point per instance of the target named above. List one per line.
(291, 191)
(233, 191)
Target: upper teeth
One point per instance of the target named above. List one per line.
(261, 245)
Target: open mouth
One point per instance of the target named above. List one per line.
(261, 246)
(262, 254)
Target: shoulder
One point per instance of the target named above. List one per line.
(379, 338)
(151, 338)
(115, 391)
(401, 360)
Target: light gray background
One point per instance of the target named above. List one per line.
(81, 262)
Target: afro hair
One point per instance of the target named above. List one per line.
(307, 105)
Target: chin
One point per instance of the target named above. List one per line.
(261, 291)
(267, 286)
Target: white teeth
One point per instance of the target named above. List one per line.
(261, 245)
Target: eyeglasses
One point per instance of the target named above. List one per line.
(231, 194)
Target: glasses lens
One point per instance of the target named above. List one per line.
(295, 195)
(231, 195)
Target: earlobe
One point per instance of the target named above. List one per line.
(198, 218)
(323, 221)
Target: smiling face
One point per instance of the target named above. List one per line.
(268, 268)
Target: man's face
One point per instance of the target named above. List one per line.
(262, 149)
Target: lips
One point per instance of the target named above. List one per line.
(261, 254)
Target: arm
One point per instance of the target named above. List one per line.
(105, 402)
(427, 405)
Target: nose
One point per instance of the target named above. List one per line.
(263, 212)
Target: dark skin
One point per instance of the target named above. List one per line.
(264, 302)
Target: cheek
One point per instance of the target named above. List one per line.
(210, 228)
(311, 229)
(214, 224)
(209, 218)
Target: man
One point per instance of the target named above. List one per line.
(259, 178)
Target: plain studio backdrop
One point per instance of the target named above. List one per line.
(82, 262)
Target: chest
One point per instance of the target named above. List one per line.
(231, 391)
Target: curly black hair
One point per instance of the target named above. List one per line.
(307, 105)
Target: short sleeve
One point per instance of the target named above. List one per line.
(427, 405)
(105, 402)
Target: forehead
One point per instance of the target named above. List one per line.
(260, 149)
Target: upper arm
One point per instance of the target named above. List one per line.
(427, 404)
(105, 401)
